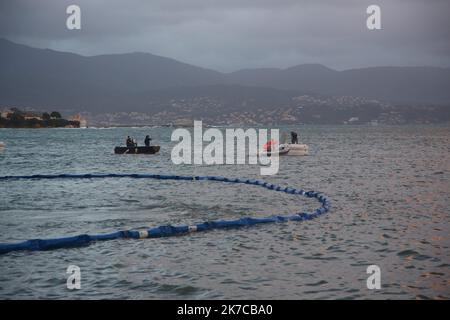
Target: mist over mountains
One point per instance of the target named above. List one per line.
(142, 82)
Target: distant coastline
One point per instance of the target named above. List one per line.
(16, 118)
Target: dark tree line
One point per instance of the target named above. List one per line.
(17, 119)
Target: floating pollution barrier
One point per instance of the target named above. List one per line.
(168, 230)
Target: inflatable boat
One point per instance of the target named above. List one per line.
(294, 149)
(277, 151)
(288, 149)
(137, 150)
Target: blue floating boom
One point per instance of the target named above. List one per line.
(162, 231)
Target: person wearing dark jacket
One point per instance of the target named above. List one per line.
(129, 142)
(294, 137)
(147, 141)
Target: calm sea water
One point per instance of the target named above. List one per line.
(389, 187)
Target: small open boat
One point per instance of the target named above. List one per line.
(277, 151)
(2, 145)
(294, 149)
(137, 150)
(288, 149)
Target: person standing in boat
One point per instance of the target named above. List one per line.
(129, 142)
(147, 141)
(294, 137)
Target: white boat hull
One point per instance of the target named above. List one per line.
(288, 149)
(295, 149)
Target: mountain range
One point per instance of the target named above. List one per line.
(48, 79)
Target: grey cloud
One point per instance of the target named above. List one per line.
(230, 34)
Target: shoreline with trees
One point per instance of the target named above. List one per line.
(16, 118)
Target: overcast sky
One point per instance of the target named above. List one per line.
(227, 35)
